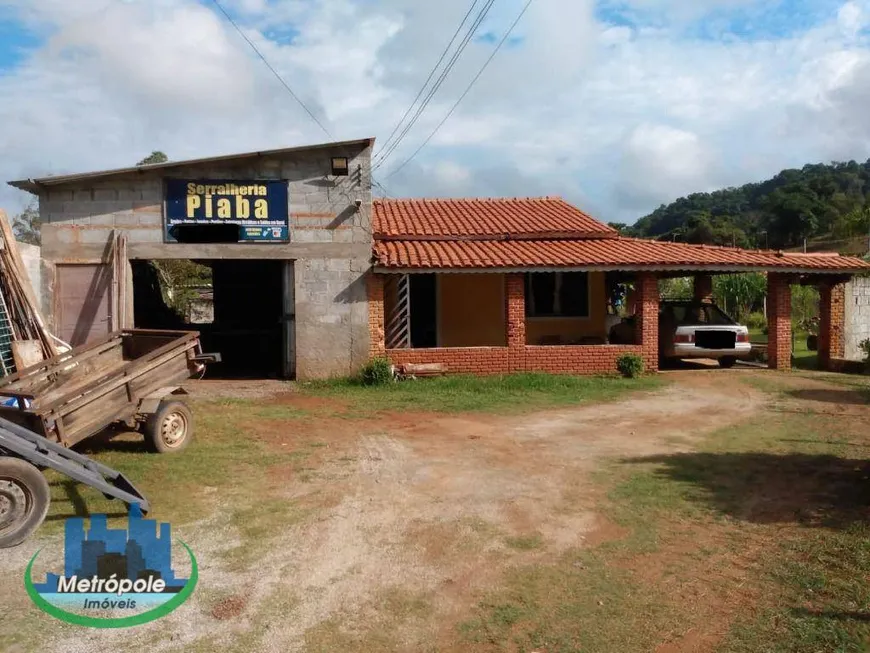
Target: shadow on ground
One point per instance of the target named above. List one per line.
(813, 490)
(78, 507)
(832, 396)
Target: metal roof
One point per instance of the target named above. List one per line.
(33, 185)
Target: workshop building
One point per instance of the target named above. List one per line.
(285, 234)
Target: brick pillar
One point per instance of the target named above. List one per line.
(832, 314)
(778, 321)
(375, 289)
(515, 296)
(703, 288)
(647, 330)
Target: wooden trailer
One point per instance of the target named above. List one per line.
(132, 376)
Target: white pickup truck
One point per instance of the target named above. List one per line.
(690, 329)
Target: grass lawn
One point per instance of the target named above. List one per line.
(459, 393)
(802, 358)
(763, 532)
(226, 456)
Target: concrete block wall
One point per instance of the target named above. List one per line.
(32, 257)
(330, 239)
(856, 327)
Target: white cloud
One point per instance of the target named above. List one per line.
(659, 161)
(615, 117)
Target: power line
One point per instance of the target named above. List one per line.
(429, 78)
(283, 82)
(467, 90)
(270, 67)
(450, 65)
(439, 82)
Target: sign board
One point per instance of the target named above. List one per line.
(258, 208)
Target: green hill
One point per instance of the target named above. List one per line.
(824, 204)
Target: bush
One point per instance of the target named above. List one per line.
(630, 365)
(756, 321)
(865, 347)
(378, 371)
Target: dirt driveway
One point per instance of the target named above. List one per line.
(403, 523)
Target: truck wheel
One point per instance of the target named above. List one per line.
(24, 500)
(170, 429)
(727, 362)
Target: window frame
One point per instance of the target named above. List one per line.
(529, 300)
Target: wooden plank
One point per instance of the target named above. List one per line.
(27, 353)
(23, 281)
(100, 387)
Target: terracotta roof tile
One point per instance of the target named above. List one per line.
(601, 253)
(460, 218)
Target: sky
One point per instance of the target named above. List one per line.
(617, 105)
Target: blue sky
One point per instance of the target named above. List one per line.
(618, 105)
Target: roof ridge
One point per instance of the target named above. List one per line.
(534, 198)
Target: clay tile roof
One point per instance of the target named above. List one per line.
(612, 253)
(469, 218)
(548, 233)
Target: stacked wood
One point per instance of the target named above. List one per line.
(26, 320)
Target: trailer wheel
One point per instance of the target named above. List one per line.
(170, 429)
(24, 500)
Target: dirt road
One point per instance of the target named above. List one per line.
(406, 522)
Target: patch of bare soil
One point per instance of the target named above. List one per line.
(237, 389)
(229, 608)
(434, 506)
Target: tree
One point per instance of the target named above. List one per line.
(155, 157)
(26, 225)
(619, 226)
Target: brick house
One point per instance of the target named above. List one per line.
(491, 286)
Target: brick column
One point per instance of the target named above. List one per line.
(647, 330)
(375, 290)
(778, 321)
(832, 314)
(515, 297)
(703, 288)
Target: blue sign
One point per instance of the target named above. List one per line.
(259, 209)
(113, 578)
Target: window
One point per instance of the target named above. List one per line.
(557, 294)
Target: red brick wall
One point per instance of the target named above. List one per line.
(515, 296)
(832, 314)
(459, 360)
(703, 290)
(598, 359)
(375, 288)
(778, 321)
(647, 288)
(578, 360)
(517, 356)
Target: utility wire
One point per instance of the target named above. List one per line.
(270, 67)
(438, 83)
(467, 90)
(284, 84)
(429, 78)
(450, 65)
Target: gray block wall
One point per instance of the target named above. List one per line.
(857, 320)
(330, 239)
(32, 258)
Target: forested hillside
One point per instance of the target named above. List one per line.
(816, 202)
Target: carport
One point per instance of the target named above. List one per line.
(494, 286)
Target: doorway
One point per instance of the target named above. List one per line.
(243, 309)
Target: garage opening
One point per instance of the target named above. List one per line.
(242, 309)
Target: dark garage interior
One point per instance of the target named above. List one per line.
(240, 316)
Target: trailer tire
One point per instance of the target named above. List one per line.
(24, 500)
(170, 429)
